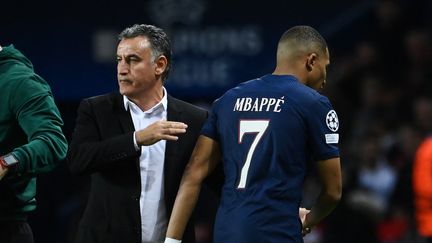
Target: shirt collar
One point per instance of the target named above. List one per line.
(128, 104)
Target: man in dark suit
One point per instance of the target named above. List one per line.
(135, 145)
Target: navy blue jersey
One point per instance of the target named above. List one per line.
(268, 128)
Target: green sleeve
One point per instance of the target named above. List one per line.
(39, 118)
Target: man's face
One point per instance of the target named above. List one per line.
(135, 67)
(318, 76)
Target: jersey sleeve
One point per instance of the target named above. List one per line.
(323, 124)
(209, 128)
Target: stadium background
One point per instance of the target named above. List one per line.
(380, 83)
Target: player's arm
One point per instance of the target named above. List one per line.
(204, 159)
(330, 174)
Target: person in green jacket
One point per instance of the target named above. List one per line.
(31, 141)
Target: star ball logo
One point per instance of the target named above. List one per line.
(332, 121)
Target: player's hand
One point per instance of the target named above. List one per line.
(302, 215)
(160, 130)
(3, 172)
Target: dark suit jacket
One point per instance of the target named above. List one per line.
(102, 146)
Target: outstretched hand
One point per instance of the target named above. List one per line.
(160, 130)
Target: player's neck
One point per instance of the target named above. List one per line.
(288, 71)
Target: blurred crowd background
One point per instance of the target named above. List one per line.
(380, 83)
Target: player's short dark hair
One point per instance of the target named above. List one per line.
(305, 36)
(159, 41)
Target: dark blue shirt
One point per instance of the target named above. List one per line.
(268, 128)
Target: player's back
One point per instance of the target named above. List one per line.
(266, 132)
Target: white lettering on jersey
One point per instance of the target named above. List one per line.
(259, 104)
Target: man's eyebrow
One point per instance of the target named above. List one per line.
(129, 55)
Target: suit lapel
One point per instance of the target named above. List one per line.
(124, 116)
(171, 152)
(173, 114)
(125, 120)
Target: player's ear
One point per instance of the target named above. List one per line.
(161, 64)
(311, 60)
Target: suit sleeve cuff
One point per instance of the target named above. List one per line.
(171, 240)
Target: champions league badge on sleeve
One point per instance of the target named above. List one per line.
(332, 121)
(333, 124)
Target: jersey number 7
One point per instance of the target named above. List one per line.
(250, 126)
